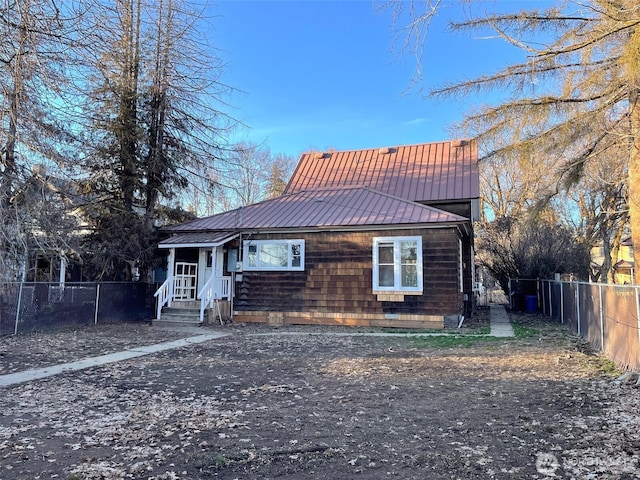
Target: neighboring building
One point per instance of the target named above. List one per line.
(379, 237)
(622, 269)
(49, 225)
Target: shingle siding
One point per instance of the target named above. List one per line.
(338, 277)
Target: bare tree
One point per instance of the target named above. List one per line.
(250, 174)
(512, 185)
(596, 210)
(279, 173)
(520, 248)
(35, 38)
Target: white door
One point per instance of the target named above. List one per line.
(211, 263)
(185, 281)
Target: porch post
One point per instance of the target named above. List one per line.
(171, 268)
(214, 267)
(214, 261)
(63, 269)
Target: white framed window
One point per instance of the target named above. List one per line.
(397, 264)
(273, 255)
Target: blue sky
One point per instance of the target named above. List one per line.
(324, 74)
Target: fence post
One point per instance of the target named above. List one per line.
(550, 300)
(578, 307)
(15, 330)
(561, 301)
(510, 295)
(95, 318)
(601, 318)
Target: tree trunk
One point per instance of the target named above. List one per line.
(128, 115)
(9, 160)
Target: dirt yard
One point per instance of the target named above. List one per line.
(264, 404)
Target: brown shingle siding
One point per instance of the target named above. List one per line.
(331, 284)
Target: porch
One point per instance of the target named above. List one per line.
(199, 282)
(175, 303)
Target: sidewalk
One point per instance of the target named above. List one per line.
(38, 373)
(499, 321)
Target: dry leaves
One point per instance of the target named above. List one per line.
(302, 406)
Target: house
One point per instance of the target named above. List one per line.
(622, 268)
(47, 223)
(374, 237)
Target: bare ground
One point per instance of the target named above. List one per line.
(256, 406)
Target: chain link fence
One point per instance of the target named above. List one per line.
(28, 307)
(608, 316)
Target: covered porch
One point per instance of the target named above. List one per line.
(201, 270)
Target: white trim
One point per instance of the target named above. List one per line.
(397, 287)
(258, 243)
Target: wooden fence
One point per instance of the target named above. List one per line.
(608, 316)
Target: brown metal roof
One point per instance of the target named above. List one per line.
(327, 207)
(421, 173)
(210, 239)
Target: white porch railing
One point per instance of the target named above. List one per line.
(164, 294)
(216, 288)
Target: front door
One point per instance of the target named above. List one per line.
(186, 277)
(211, 263)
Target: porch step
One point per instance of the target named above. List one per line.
(177, 316)
(186, 304)
(170, 322)
(187, 312)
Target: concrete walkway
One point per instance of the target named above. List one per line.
(35, 374)
(499, 321)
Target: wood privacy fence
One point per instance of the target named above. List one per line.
(608, 316)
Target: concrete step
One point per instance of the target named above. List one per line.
(186, 304)
(170, 322)
(179, 316)
(173, 310)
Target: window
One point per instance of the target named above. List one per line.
(273, 255)
(397, 264)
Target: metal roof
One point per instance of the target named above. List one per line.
(324, 207)
(428, 172)
(201, 239)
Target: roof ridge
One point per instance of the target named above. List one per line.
(462, 141)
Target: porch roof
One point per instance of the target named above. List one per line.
(197, 239)
(353, 206)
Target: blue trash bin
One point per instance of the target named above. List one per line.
(531, 302)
